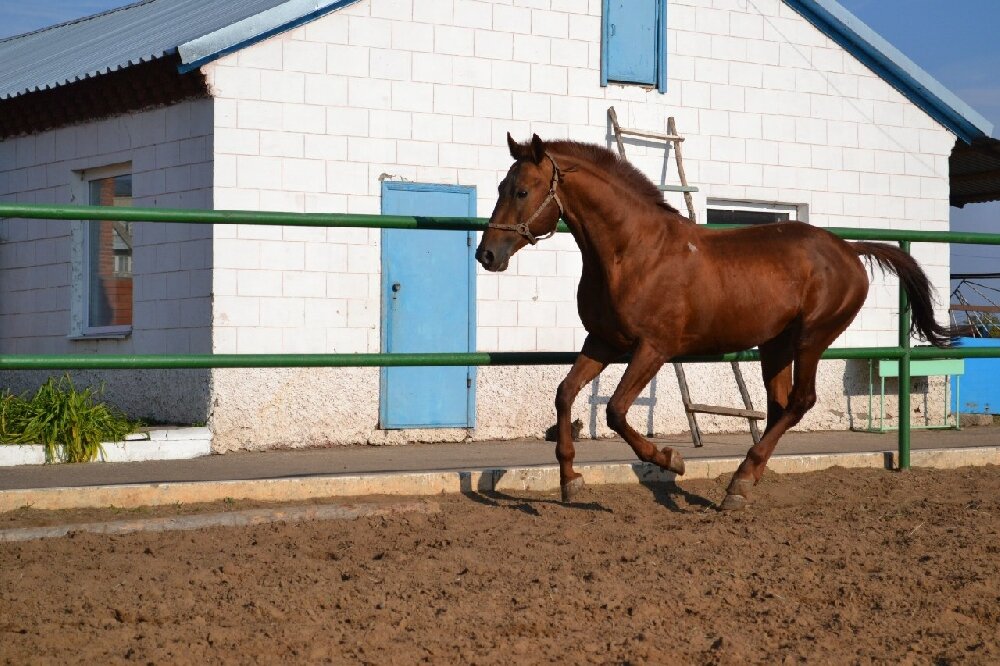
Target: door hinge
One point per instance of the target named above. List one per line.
(468, 382)
(468, 241)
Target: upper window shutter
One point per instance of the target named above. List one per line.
(631, 40)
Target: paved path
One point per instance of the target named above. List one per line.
(378, 460)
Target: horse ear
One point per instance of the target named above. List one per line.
(516, 149)
(537, 149)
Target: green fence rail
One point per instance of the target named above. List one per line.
(903, 352)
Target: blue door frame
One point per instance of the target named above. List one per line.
(428, 305)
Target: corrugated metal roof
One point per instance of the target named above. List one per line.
(106, 42)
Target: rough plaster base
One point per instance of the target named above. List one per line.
(259, 409)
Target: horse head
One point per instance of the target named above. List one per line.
(528, 206)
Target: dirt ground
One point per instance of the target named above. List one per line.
(842, 566)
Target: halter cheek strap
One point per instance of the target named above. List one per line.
(524, 228)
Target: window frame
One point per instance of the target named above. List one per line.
(661, 49)
(80, 328)
(796, 212)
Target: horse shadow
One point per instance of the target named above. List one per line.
(485, 493)
(668, 492)
(662, 485)
(665, 490)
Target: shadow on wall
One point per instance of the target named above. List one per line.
(158, 397)
(601, 401)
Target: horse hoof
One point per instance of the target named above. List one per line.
(676, 464)
(733, 503)
(571, 488)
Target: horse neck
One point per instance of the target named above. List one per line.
(606, 217)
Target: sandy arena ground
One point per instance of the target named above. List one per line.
(842, 566)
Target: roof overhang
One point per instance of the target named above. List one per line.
(253, 29)
(975, 172)
(140, 86)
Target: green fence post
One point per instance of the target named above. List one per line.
(904, 371)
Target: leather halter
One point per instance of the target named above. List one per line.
(524, 228)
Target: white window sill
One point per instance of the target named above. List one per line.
(103, 334)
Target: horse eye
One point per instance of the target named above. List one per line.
(521, 194)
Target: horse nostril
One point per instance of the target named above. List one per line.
(485, 257)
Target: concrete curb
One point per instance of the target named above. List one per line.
(245, 518)
(543, 478)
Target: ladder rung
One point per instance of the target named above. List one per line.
(726, 411)
(652, 135)
(677, 188)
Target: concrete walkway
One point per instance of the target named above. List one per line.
(423, 469)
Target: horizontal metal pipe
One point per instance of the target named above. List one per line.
(180, 361)
(252, 217)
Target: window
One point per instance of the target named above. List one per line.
(634, 42)
(103, 258)
(749, 212)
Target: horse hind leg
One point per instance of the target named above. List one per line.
(644, 365)
(776, 367)
(800, 400)
(593, 358)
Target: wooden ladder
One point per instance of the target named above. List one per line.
(690, 408)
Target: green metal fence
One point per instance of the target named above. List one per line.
(903, 351)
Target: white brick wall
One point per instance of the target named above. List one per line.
(171, 155)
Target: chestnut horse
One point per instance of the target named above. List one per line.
(657, 286)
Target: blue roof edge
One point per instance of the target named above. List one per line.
(843, 27)
(253, 29)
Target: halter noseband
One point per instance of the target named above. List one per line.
(524, 228)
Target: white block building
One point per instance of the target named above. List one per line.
(791, 109)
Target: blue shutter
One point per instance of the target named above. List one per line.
(634, 48)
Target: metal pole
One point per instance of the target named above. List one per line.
(254, 217)
(904, 371)
(189, 361)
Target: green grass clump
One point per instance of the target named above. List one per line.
(70, 424)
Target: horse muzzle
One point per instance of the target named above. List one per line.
(491, 261)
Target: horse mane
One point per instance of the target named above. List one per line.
(615, 166)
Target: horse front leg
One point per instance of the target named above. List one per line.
(593, 358)
(646, 362)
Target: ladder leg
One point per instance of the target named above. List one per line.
(754, 429)
(678, 155)
(616, 128)
(686, 398)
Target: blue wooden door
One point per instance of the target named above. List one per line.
(428, 305)
(631, 28)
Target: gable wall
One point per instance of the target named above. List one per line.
(424, 90)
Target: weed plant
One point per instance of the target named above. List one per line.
(70, 424)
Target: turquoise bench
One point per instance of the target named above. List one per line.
(950, 367)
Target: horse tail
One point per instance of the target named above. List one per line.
(913, 279)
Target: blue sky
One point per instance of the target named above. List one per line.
(955, 41)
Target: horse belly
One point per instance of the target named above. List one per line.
(740, 319)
